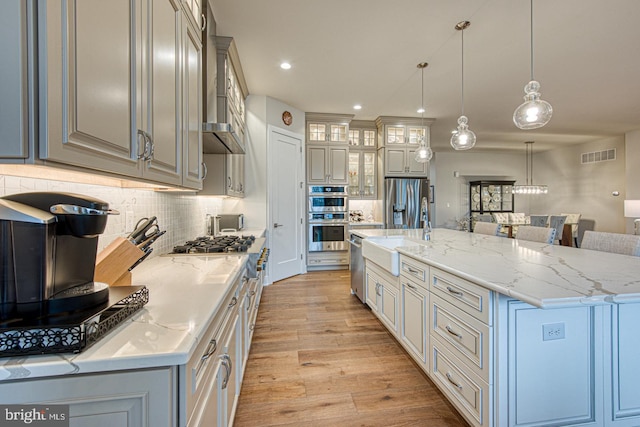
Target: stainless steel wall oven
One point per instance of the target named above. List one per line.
(328, 218)
(328, 198)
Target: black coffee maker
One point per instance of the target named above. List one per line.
(48, 248)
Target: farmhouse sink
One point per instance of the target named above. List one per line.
(381, 250)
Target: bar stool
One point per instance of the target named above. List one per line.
(625, 244)
(557, 222)
(536, 234)
(489, 228)
(539, 220)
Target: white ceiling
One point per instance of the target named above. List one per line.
(343, 52)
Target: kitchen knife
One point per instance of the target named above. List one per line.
(138, 235)
(150, 239)
(142, 258)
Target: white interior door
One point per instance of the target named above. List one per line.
(285, 225)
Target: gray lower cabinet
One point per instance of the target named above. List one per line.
(129, 398)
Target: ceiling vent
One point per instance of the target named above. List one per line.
(598, 156)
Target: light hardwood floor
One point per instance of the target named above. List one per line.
(319, 357)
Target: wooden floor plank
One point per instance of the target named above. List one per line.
(319, 357)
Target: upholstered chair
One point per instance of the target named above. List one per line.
(536, 234)
(557, 222)
(574, 220)
(626, 244)
(539, 220)
(489, 228)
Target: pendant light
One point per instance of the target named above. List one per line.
(424, 152)
(534, 112)
(529, 187)
(463, 138)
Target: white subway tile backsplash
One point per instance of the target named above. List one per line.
(182, 215)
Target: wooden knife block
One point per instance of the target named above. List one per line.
(113, 263)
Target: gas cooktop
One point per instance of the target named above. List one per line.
(219, 244)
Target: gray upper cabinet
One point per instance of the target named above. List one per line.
(17, 89)
(192, 109)
(91, 84)
(118, 88)
(110, 86)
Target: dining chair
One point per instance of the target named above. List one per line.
(557, 222)
(490, 228)
(574, 220)
(625, 244)
(539, 220)
(536, 234)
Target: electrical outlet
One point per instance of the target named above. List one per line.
(553, 331)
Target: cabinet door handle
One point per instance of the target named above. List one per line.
(228, 182)
(205, 171)
(452, 332)
(450, 378)
(276, 225)
(203, 22)
(147, 153)
(454, 292)
(411, 286)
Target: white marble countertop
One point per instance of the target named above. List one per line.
(537, 273)
(185, 292)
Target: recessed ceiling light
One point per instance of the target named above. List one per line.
(357, 107)
(420, 110)
(285, 66)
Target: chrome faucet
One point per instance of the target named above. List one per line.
(426, 228)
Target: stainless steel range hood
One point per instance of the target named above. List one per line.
(220, 138)
(223, 132)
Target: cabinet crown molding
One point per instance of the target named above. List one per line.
(393, 120)
(328, 117)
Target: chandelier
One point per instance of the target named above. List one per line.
(529, 187)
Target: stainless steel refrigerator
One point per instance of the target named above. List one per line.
(402, 200)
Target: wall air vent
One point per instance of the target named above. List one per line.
(598, 156)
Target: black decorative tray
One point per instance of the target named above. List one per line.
(72, 332)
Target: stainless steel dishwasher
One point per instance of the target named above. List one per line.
(357, 266)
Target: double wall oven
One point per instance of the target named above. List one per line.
(328, 218)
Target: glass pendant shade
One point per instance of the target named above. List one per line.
(423, 153)
(534, 112)
(463, 138)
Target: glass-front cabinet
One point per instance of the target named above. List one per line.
(363, 159)
(486, 197)
(398, 139)
(362, 174)
(327, 128)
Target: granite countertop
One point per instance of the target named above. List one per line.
(185, 292)
(537, 273)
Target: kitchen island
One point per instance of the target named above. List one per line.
(515, 332)
(161, 366)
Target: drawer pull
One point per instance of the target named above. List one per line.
(233, 302)
(412, 270)
(211, 348)
(454, 292)
(452, 332)
(252, 326)
(453, 382)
